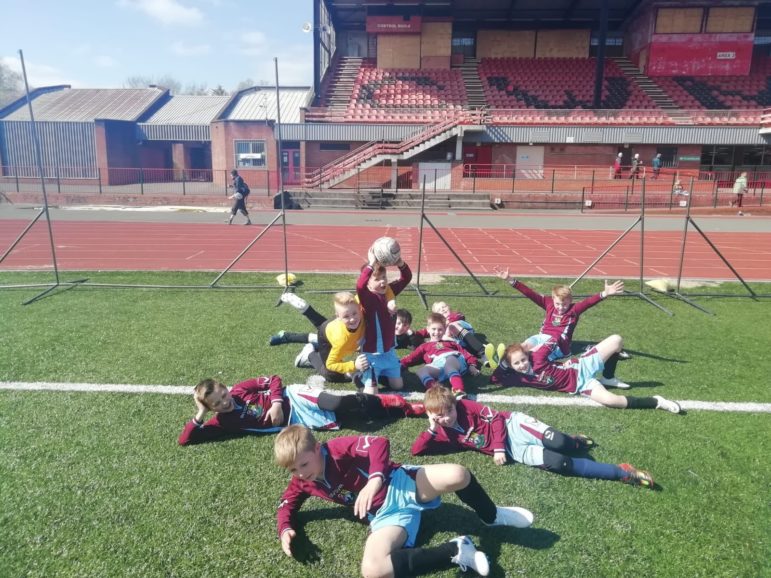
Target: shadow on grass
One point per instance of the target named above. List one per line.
(579, 347)
(460, 519)
(636, 385)
(365, 425)
(305, 551)
(55, 289)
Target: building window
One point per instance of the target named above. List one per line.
(250, 154)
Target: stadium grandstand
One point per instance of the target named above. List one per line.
(488, 102)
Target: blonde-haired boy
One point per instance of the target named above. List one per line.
(357, 471)
(333, 351)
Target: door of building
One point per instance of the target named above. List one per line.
(438, 176)
(530, 162)
(290, 166)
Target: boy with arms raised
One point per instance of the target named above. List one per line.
(468, 425)
(357, 471)
(520, 368)
(262, 405)
(445, 360)
(380, 333)
(562, 317)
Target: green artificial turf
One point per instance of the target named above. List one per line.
(94, 484)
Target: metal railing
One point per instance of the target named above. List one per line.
(351, 161)
(514, 186)
(623, 116)
(132, 180)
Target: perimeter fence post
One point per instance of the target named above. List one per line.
(552, 180)
(99, 178)
(183, 182)
(141, 181)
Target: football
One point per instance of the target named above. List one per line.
(387, 251)
(285, 280)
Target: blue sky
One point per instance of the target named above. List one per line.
(102, 43)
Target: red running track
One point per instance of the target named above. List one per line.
(86, 246)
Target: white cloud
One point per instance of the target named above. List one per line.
(169, 12)
(104, 61)
(253, 43)
(183, 49)
(39, 75)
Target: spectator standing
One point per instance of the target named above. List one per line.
(240, 192)
(740, 187)
(636, 163)
(656, 165)
(617, 166)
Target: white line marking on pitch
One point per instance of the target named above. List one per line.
(750, 407)
(194, 255)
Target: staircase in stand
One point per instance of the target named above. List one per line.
(374, 152)
(654, 91)
(475, 92)
(338, 95)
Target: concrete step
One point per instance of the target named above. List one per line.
(391, 200)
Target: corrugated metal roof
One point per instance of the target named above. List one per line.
(87, 104)
(173, 132)
(189, 109)
(260, 104)
(725, 135)
(522, 134)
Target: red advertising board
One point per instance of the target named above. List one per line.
(393, 24)
(700, 55)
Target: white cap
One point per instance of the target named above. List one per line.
(637, 155)
(621, 154)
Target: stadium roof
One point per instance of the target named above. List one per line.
(351, 14)
(86, 104)
(189, 109)
(259, 103)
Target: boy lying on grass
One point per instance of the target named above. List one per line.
(468, 425)
(445, 360)
(519, 368)
(262, 405)
(561, 318)
(357, 471)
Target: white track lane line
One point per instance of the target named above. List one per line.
(573, 401)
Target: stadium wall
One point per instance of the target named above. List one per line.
(700, 55)
(315, 157)
(506, 44)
